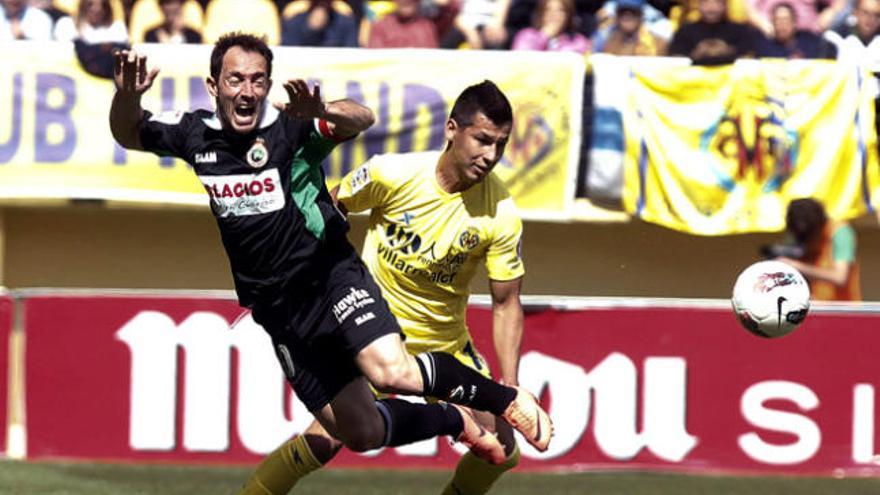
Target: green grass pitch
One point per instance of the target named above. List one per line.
(20, 478)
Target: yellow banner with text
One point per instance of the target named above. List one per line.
(55, 140)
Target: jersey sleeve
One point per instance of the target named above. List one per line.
(364, 187)
(165, 133)
(504, 255)
(316, 142)
(843, 244)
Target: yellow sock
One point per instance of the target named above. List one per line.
(282, 469)
(474, 476)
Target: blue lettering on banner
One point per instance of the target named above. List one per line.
(353, 91)
(46, 116)
(414, 97)
(10, 147)
(198, 94)
(374, 137)
(198, 99)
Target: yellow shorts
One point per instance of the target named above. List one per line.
(465, 351)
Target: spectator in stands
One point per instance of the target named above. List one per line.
(553, 30)
(479, 24)
(322, 24)
(48, 6)
(442, 13)
(628, 34)
(812, 15)
(861, 42)
(521, 15)
(787, 41)
(656, 21)
(828, 247)
(18, 21)
(714, 39)
(94, 24)
(172, 29)
(406, 27)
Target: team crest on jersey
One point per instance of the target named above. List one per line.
(258, 155)
(469, 239)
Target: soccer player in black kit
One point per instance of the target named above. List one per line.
(293, 265)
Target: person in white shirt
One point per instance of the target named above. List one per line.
(861, 42)
(94, 24)
(18, 21)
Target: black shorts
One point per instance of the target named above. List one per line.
(323, 330)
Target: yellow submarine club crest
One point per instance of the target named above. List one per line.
(751, 143)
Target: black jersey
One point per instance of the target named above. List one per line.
(276, 218)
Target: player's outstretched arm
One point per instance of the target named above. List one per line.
(346, 117)
(132, 80)
(507, 327)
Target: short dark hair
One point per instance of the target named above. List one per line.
(805, 219)
(247, 42)
(785, 5)
(106, 13)
(484, 97)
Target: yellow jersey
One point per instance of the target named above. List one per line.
(423, 244)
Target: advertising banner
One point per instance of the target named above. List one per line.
(56, 141)
(629, 385)
(6, 308)
(722, 150)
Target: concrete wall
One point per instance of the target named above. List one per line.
(93, 246)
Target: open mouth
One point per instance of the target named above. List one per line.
(245, 112)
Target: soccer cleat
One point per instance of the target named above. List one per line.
(481, 442)
(526, 416)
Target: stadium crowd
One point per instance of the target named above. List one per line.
(707, 31)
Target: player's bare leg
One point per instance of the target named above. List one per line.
(388, 366)
(362, 423)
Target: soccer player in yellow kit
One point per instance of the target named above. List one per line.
(434, 217)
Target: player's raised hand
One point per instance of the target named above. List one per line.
(303, 103)
(130, 72)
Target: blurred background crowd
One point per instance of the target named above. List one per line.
(707, 31)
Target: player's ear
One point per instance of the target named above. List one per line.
(449, 131)
(211, 85)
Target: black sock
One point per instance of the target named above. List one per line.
(406, 422)
(446, 378)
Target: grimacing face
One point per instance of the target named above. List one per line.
(241, 89)
(477, 148)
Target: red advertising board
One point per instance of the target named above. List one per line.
(630, 386)
(6, 308)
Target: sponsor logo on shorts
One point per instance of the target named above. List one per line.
(246, 194)
(360, 320)
(354, 300)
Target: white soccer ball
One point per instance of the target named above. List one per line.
(771, 298)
